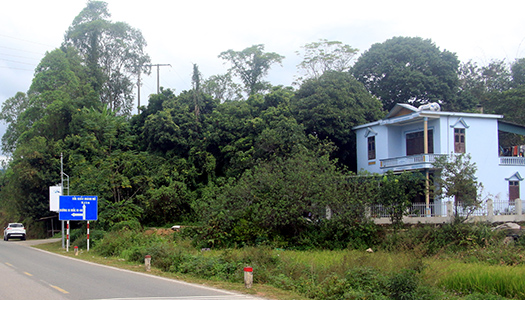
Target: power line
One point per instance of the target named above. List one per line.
(18, 56)
(15, 49)
(28, 41)
(8, 60)
(14, 68)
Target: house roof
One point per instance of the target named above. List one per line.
(506, 126)
(403, 114)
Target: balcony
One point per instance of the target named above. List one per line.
(512, 161)
(413, 162)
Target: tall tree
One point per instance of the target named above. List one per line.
(323, 55)
(222, 88)
(408, 70)
(251, 65)
(12, 108)
(196, 84)
(478, 83)
(518, 72)
(113, 52)
(330, 106)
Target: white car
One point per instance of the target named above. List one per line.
(15, 230)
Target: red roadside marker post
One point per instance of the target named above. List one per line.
(248, 277)
(147, 262)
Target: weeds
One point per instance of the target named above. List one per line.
(414, 269)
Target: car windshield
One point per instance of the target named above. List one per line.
(16, 225)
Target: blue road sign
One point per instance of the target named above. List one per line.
(78, 208)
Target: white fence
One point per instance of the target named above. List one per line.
(440, 212)
(512, 161)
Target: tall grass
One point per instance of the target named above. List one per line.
(407, 273)
(504, 281)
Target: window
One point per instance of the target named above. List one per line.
(415, 142)
(371, 148)
(514, 190)
(459, 140)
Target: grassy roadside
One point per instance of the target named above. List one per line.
(471, 271)
(261, 291)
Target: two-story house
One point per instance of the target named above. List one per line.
(409, 138)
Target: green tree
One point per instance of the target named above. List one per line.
(113, 53)
(222, 88)
(196, 84)
(323, 55)
(251, 65)
(408, 70)
(330, 106)
(12, 108)
(518, 73)
(396, 194)
(274, 202)
(456, 178)
(478, 84)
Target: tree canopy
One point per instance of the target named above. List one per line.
(113, 53)
(251, 65)
(408, 70)
(273, 166)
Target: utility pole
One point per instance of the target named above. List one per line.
(158, 72)
(158, 78)
(62, 174)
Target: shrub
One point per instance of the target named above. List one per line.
(450, 238)
(284, 201)
(403, 285)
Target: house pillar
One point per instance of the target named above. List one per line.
(427, 180)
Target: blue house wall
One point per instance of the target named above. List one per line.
(481, 142)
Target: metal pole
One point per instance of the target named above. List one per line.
(67, 246)
(138, 87)
(427, 184)
(88, 236)
(158, 79)
(62, 191)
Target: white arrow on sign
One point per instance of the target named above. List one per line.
(83, 214)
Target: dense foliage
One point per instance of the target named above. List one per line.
(274, 166)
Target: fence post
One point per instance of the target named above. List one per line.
(450, 210)
(490, 210)
(519, 206)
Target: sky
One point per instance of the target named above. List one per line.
(181, 33)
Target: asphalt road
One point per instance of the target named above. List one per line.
(28, 273)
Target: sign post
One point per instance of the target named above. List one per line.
(78, 208)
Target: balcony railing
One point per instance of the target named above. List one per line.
(512, 161)
(416, 160)
(426, 160)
